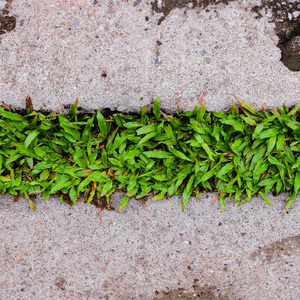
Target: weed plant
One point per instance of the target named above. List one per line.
(241, 153)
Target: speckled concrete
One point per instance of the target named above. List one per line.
(60, 252)
(113, 54)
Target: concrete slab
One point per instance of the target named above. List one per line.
(123, 54)
(60, 252)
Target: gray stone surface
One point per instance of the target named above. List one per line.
(112, 54)
(60, 252)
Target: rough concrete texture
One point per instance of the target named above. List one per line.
(61, 252)
(113, 54)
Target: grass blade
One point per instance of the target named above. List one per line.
(31, 136)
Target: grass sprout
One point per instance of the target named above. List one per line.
(242, 153)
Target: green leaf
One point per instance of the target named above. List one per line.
(290, 200)
(87, 130)
(187, 192)
(238, 193)
(107, 187)
(289, 154)
(13, 158)
(44, 175)
(58, 186)
(68, 128)
(274, 161)
(294, 110)
(169, 131)
(132, 125)
(157, 154)
(146, 138)
(123, 203)
(258, 155)
(91, 196)
(147, 129)
(111, 140)
(132, 187)
(28, 152)
(160, 195)
(249, 120)
(268, 133)
(156, 109)
(265, 198)
(102, 125)
(160, 177)
(222, 202)
(271, 144)
(225, 169)
(73, 195)
(220, 115)
(31, 136)
(179, 154)
(182, 175)
(297, 182)
(237, 125)
(5, 178)
(117, 143)
(104, 157)
(280, 142)
(10, 115)
(257, 130)
(123, 179)
(279, 186)
(208, 151)
(247, 106)
(115, 162)
(43, 165)
(207, 175)
(259, 169)
(73, 110)
(267, 182)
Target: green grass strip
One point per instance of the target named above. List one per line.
(242, 153)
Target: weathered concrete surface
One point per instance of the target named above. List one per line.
(113, 54)
(61, 252)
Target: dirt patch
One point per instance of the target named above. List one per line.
(204, 293)
(275, 250)
(166, 6)
(286, 17)
(7, 21)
